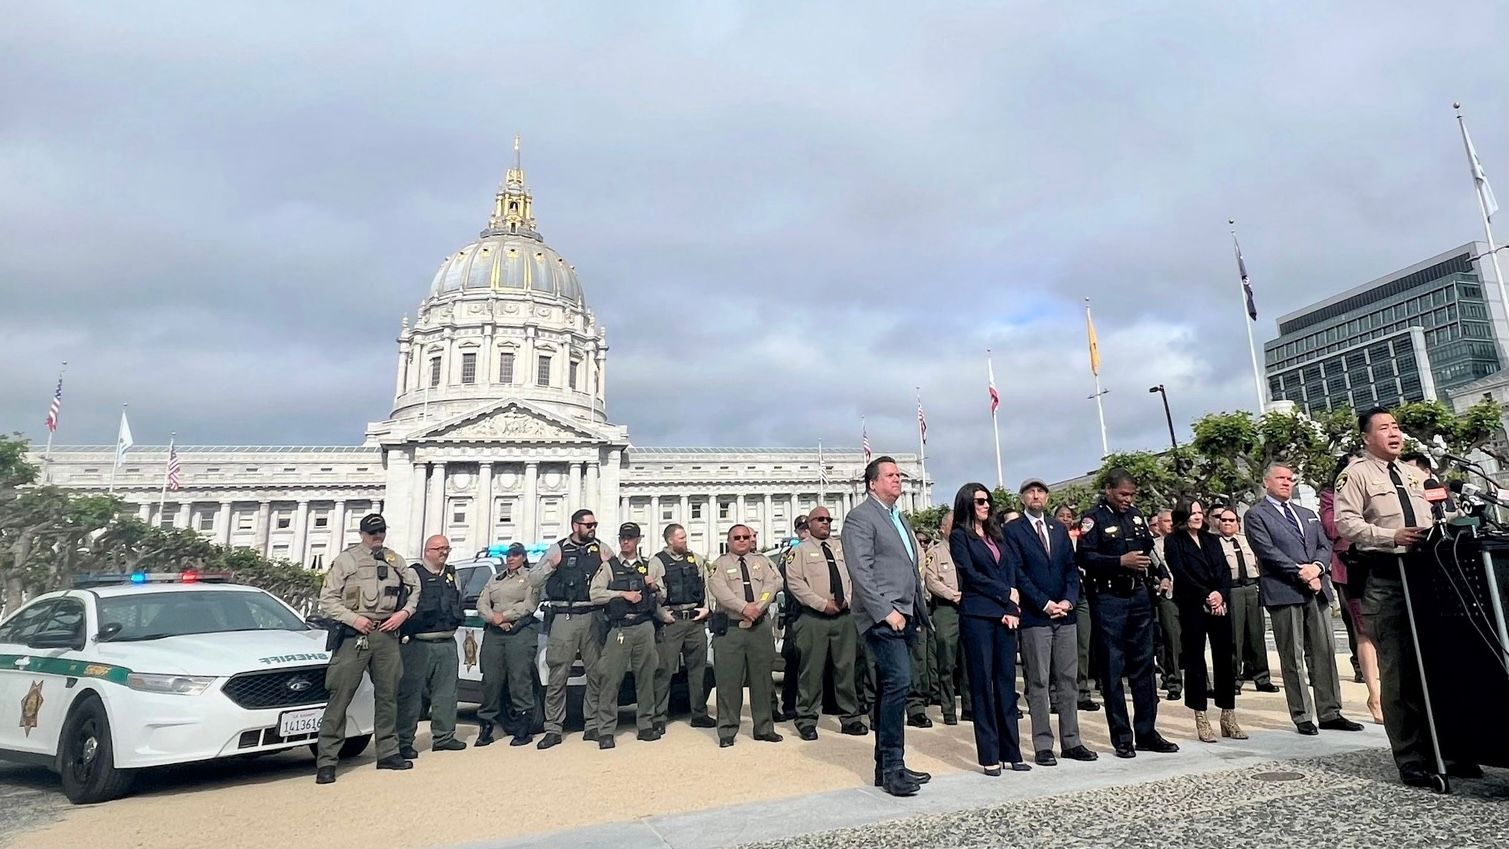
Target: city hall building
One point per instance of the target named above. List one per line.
(499, 431)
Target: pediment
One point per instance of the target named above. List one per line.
(510, 422)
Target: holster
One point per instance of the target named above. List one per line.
(717, 624)
(549, 619)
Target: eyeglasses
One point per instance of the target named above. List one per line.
(819, 519)
(438, 548)
(1228, 518)
(741, 537)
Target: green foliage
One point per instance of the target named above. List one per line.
(1159, 483)
(928, 520)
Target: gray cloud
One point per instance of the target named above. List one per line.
(220, 215)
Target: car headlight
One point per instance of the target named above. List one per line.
(183, 685)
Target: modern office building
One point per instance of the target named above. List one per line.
(1416, 334)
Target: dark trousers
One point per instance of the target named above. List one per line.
(891, 653)
(1386, 617)
(924, 673)
(1089, 659)
(1196, 627)
(1124, 635)
(1249, 635)
(950, 661)
(990, 655)
(508, 665)
(1170, 645)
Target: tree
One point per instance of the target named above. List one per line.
(930, 519)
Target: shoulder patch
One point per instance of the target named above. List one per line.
(1341, 479)
(1087, 524)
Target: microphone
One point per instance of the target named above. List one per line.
(1469, 491)
(1438, 498)
(1437, 449)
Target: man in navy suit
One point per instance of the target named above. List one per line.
(1294, 563)
(1049, 585)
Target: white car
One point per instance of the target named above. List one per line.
(110, 678)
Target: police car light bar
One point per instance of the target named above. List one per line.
(188, 576)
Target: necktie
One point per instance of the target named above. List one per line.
(1241, 561)
(1042, 534)
(1409, 510)
(835, 581)
(748, 587)
(1293, 520)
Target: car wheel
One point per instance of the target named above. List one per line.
(86, 756)
(355, 746)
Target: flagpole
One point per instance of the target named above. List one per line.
(1493, 253)
(1100, 407)
(116, 464)
(822, 477)
(1257, 375)
(922, 451)
(47, 453)
(995, 425)
(162, 498)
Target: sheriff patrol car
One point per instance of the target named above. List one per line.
(124, 673)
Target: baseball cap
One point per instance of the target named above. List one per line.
(516, 548)
(629, 530)
(373, 523)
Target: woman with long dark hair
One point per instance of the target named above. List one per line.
(1202, 591)
(988, 622)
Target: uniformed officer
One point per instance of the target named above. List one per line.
(428, 648)
(628, 589)
(822, 629)
(364, 590)
(942, 582)
(683, 640)
(1083, 626)
(924, 657)
(510, 639)
(1169, 632)
(1113, 548)
(744, 585)
(565, 573)
(1381, 509)
(785, 707)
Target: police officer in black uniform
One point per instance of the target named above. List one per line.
(683, 640)
(428, 649)
(566, 573)
(1114, 542)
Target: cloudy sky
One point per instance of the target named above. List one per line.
(220, 215)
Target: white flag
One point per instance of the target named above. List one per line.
(1479, 178)
(123, 441)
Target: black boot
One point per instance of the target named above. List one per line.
(521, 723)
(485, 738)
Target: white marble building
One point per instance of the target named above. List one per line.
(499, 431)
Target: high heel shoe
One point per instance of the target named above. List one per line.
(1202, 728)
(1229, 727)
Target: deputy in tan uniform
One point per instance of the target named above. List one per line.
(744, 584)
(510, 639)
(822, 627)
(1381, 509)
(1250, 643)
(942, 582)
(629, 590)
(364, 591)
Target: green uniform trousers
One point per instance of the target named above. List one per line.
(952, 680)
(342, 678)
(1084, 629)
(428, 666)
(682, 643)
(571, 634)
(1251, 644)
(630, 648)
(744, 657)
(924, 672)
(1386, 617)
(507, 661)
(1169, 645)
(821, 640)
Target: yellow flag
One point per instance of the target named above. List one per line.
(1094, 345)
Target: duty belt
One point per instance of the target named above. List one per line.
(1120, 586)
(684, 613)
(434, 636)
(1247, 583)
(628, 622)
(939, 601)
(572, 609)
(518, 625)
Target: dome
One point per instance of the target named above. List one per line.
(508, 262)
(509, 255)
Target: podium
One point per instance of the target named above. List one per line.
(1457, 586)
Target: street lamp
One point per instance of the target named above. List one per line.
(1172, 440)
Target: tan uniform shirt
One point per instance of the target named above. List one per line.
(510, 595)
(807, 574)
(726, 583)
(1368, 505)
(939, 574)
(354, 589)
(652, 569)
(1229, 546)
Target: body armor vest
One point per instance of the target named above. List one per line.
(570, 582)
(684, 583)
(439, 603)
(629, 578)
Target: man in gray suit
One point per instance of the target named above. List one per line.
(883, 559)
(1294, 559)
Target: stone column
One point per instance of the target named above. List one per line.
(416, 510)
(224, 518)
(297, 552)
(771, 532)
(337, 542)
(594, 493)
(652, 528)
(144, 512)
(182, 520)
(484, 524)
(529, 526)
(435, 520)
(264, 527)
(403, 371)
(573, 487)
(612, 485)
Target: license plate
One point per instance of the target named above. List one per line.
(294, 723)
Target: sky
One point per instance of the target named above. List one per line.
(219, 213)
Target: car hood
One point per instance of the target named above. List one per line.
(219, 654)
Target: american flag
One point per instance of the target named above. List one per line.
(921, 421)
(864, 440)
(822, 466)
(55, 407)
(175, 470)
(1246, 286)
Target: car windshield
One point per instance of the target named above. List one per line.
(471, 580)
(152, 616)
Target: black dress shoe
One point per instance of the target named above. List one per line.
(523, 738)
(1080, 753)
(1417, 778)
(1045, 758)
(324, 775)
(1126, 752)
(550, 739)
(1340, 723)
(660, 728)
(1459, 770)
(919, 721)
(395, 762)
(704, 722)
(1307, 728)
(606, 742)
(1021, 766)
(782, 715)
(854, 729)
(1174, 696)
(485, 738)
(772, 737)
(967, 716)
(1270, 687)
(725, 742)
(648, 735)
(1156, 743)
(590, 735)
(900, 784)
(1088, 705)
(917, 775)
(808, 734)
(408, 752)
(950, 719)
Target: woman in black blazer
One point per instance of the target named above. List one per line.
(988, 619)
(1202, 590)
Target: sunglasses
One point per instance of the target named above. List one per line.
(587, 524)
(982, 500)
(819, 519)
(741, 537)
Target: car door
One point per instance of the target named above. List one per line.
(51, 675)
(470, 579)
(17, 679)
